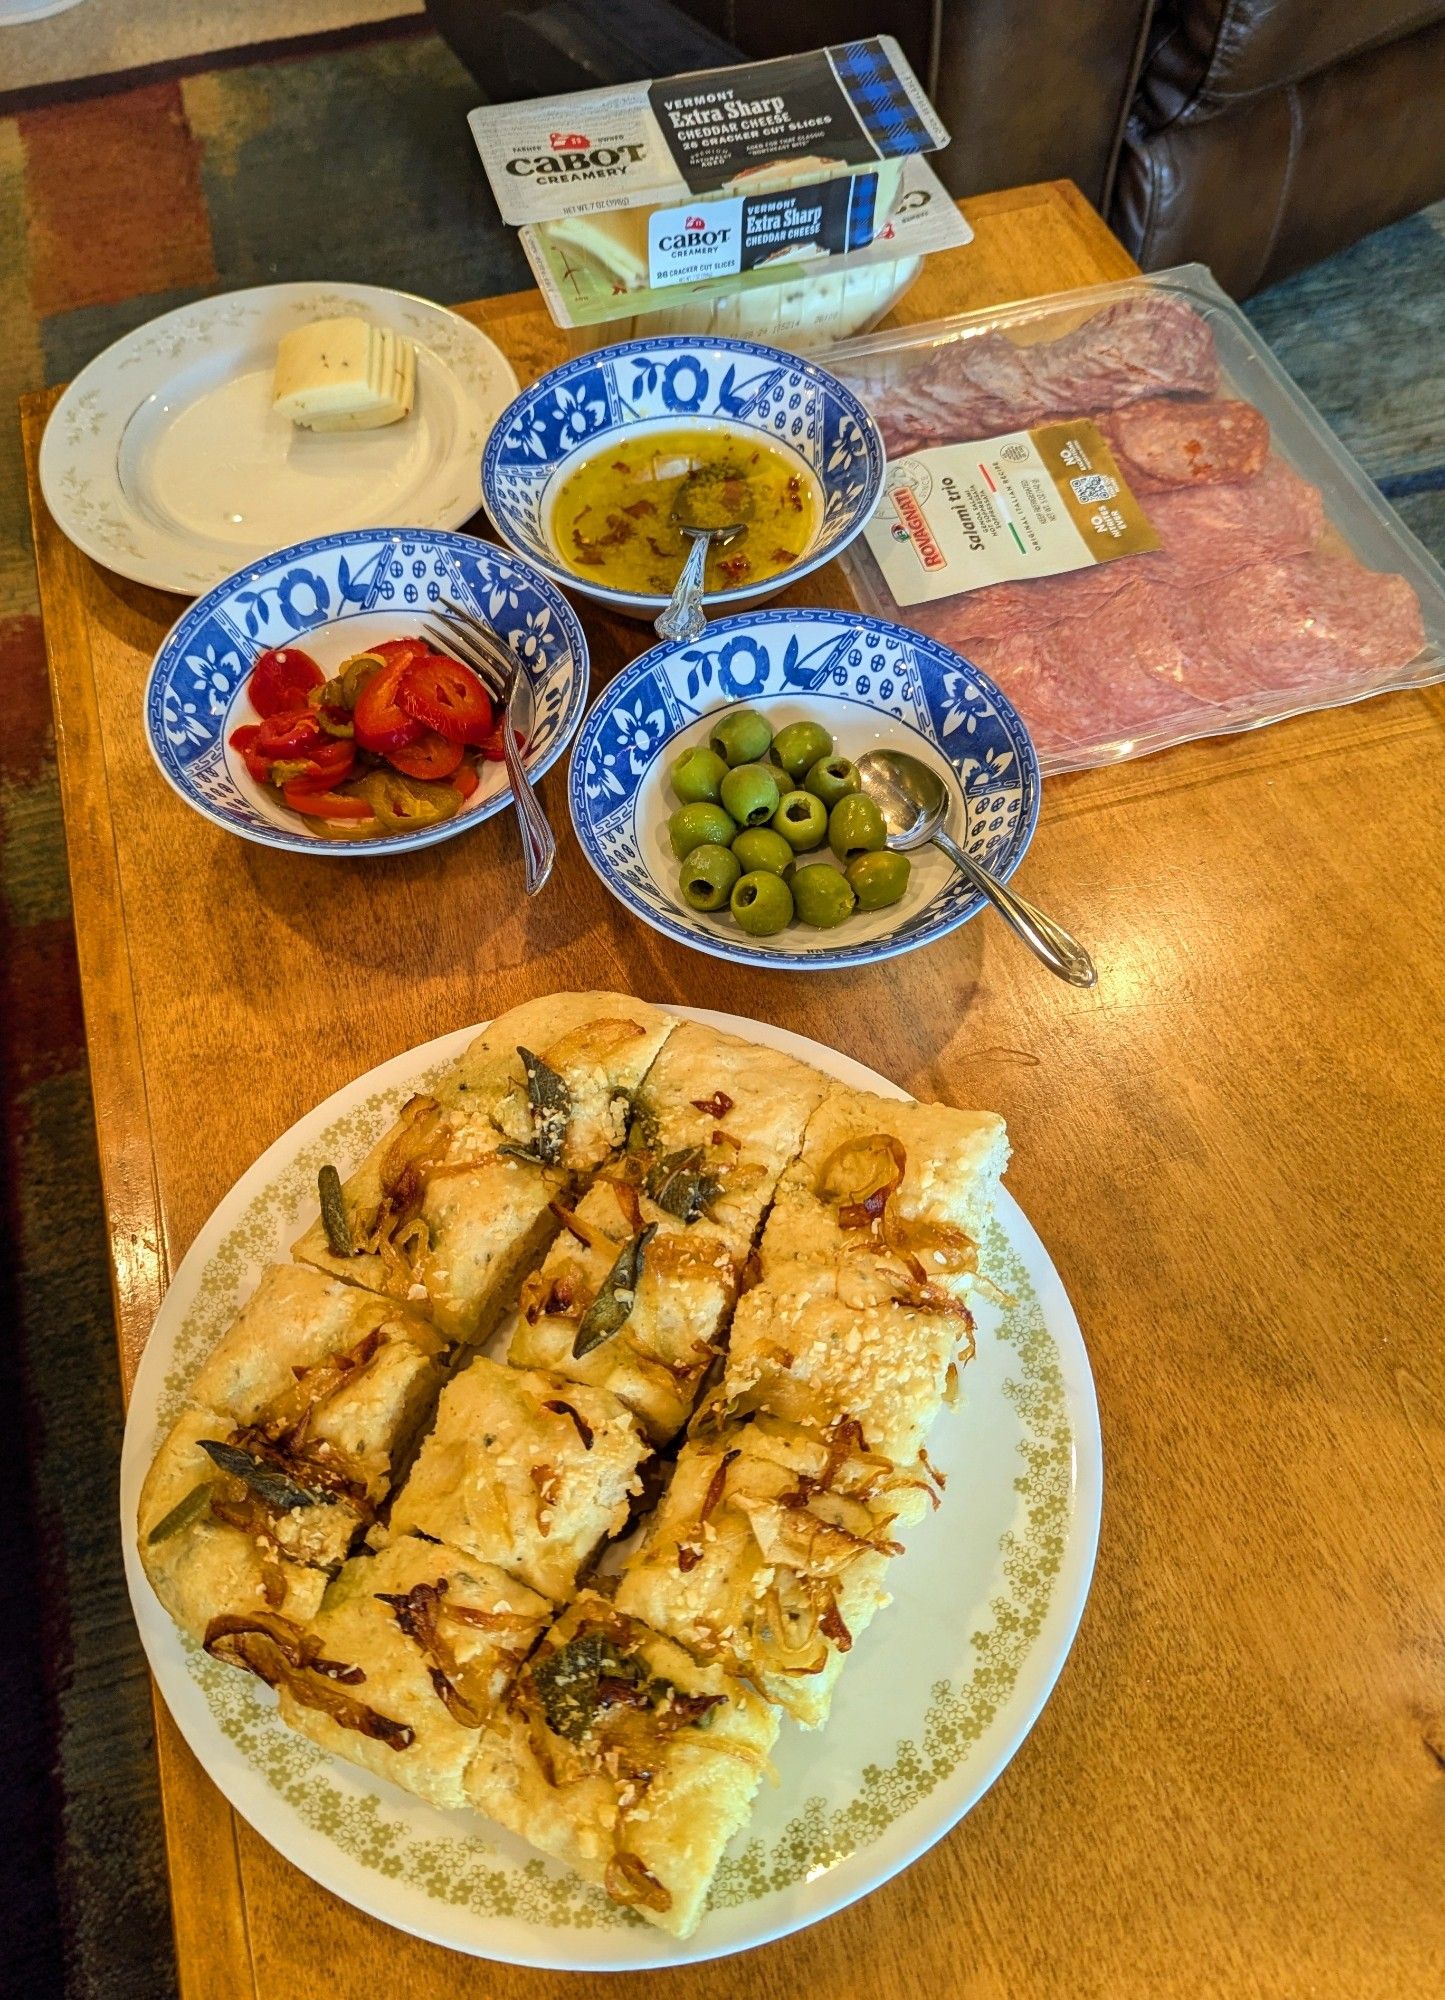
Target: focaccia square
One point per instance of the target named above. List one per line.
(525, 1470)
(815, 1344)
(619, 1754)
(327, 1369)
(452, 1206)
(741, 1107)
(911, 1181)
(642, 1292)
(419, 1644)
(769, 1550)
(203, 1564)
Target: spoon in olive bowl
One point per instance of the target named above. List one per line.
(914, 803)
(712, 506)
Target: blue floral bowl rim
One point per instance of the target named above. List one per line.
(744, 953)
(282, 838)
(812, 558)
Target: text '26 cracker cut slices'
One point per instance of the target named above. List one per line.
(524, 1470)
(769, 1550)
(636, 1290)
(616, 1752)
(302, 1413)
(452, 1206)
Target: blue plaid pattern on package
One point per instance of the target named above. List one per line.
(882, 98)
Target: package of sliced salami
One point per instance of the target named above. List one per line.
(1117, 504)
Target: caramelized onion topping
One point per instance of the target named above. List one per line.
(281, 1654)
(630, 1883)
(584, 1429)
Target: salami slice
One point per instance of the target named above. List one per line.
(1161, 444)
(1148, 345)
(1203, 532)
(1317, 623)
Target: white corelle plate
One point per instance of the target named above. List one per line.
(937, 1696)
(165, 460)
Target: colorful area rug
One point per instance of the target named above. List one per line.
(354, 164)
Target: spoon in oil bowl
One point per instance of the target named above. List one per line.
(712, 506)
(914, 803)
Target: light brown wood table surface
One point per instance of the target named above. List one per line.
(1232, 1147)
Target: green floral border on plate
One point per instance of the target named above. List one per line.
(464, 1869)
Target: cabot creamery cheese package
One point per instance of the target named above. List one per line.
(797, 300)
(710, 176)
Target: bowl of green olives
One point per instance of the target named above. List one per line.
(741, 826)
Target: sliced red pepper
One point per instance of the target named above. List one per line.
(431, 756)
(447, 697)
(381, 725)
(281, 679)
(292, 732)
(465, 779)
(405, 650)
(491, 745)
(304, 798)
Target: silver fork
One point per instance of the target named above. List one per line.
(497, 667)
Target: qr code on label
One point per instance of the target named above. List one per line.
(1090, 487)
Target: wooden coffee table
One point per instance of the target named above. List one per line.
(1231, 1146)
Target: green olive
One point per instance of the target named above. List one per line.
(855, 826)
(708, 875)
(759, 847)
(800, 745)
(831, 779)
(879, 878)
(762, 903)
(802, 820)
(697, 776)
(822, 896)
(740, 736)
(691, 826)
(750, 794)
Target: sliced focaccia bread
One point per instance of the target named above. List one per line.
(877, 1176)
(557, 1076)
(212, 1548)
(524, 1470)
(616, 1752)
(452, 1206)
(730, 1112)
(301, 1417)
(814, 1345)
(401, 1665)
(769, 1550)
(631, 1298)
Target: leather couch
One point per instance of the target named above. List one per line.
(1253, 135)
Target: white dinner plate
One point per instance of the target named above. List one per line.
(937, 1696)
(165, 460)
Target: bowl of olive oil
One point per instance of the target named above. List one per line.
(581, 473)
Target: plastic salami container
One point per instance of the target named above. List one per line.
(1117, 504)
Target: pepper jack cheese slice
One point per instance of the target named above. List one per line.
(344, 375)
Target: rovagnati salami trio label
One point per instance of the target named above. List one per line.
(1031, 503)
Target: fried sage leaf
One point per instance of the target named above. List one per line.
(608, 1312)
(551, 1103)
(680, 1184)
(334, 1219)
(182, 1514)
(269, 1483)
(568, 1681)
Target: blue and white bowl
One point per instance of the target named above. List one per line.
(672, 383)
(874, 685)
(336, 596)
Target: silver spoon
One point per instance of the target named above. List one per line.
(914, 803)
(712, 504)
